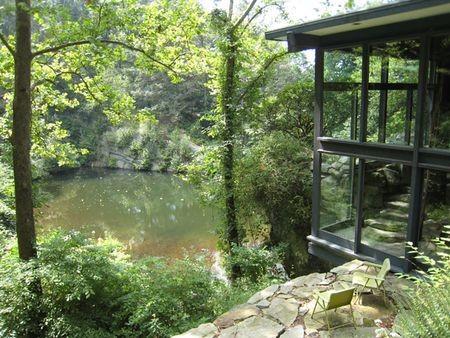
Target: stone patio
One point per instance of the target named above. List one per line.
(284, 311)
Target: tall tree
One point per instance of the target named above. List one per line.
(148, 29)
(21, 135)
(238, 43)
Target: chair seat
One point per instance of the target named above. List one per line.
(366, 280)
(333, 299)
(372, 281)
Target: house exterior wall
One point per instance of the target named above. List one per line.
(382, 148)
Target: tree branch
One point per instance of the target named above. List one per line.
(260, 75)
(103, 41)
(230, 10)
(7, 45)
(242, 18)
(63, 46)
(258, 12)
(58, 74)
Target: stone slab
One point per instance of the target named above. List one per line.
(264, 294)
(254, 327)
(264, 304)
(284, 311)
(350, 332)
(236, 314)
(346, 268)
(207, 330)
(294, 332)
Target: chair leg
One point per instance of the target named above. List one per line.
(384, 296)
(314, 310)
(328, 321)
(358, 296)
(353, 317)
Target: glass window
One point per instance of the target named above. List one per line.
(386, 206)
(436, 209)
(437, 121)
(391, 121)
(393, 79)
(342, 88)
(337, 203)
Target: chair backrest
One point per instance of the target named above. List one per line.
(384, 268)
(340, 298)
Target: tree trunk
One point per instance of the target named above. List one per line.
(21, 134)
(228, 110)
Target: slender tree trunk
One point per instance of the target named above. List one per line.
(228, 110)
(21, 134)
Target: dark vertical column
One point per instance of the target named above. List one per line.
(318, 126)
(382, 118)
(355, 109)
(412, 232)
(409, 114)
(362, 138)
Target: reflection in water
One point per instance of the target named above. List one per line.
(152, 214)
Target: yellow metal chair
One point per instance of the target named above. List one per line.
(333, 299)
(365, 280)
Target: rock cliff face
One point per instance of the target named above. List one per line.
(284, 310)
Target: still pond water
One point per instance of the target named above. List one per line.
(152, 214)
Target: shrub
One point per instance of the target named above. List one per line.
(79, 287)
(255, 263)
(7, 215)
(73, 288)
(171, 300)
(274, 188)
(124, 137)
(424, 311)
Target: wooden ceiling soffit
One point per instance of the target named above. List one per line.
(302, 41)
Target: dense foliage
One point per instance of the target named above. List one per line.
(273, 175)
(6, 197)
(424, 310)
(106, 91)
(91, 288)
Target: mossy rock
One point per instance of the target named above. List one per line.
(386, 224)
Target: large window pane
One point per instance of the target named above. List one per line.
(342, 93)
(337, 204)
(436, 209)
(393, 79)
(386, 206)
(437, 121)
(393, 121)
(341, 114)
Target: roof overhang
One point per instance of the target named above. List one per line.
(399, 19)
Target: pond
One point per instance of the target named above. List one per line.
(150, 213)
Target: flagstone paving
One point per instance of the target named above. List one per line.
(284, 311)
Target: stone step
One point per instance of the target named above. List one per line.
(386, 224)
(398, 205)
(397, 197)
(384, 236)
(394, 214)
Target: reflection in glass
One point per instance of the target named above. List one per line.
(342, 88)
(395, 62)
(341, 114)
(435, 210)
(393, 79)
(437, 131)
(393, 124)
(337, 205)
(385, 206)
(343, 65)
